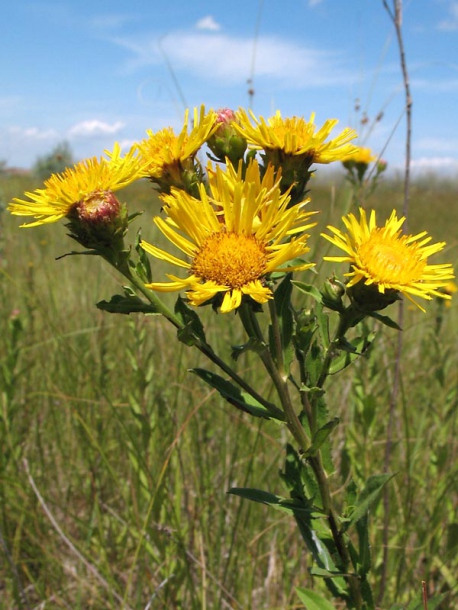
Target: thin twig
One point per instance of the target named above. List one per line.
(396, 17)
(70, 545)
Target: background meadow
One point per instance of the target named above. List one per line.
(115, 460)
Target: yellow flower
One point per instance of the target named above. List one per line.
(233, 238)
(86, 182)
(296, 137)
(363, 155)
(387, 259)
(166, 155)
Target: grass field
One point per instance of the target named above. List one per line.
(116, 461)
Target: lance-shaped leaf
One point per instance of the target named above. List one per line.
(192, 332)
(126, 304)
(237, 397)
(313, 600)
(142, 266)
(284, 313)
(367, 497)
(384, 320)
(349, 352)
(321, 436)
(310, 290)
(285, 505)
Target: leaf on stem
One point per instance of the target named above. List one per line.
(349, 352)
(321, 436)
(285, 505)
(126, 304)
(142, 266)
(237, 397)
(313, 600)
(284, 314)
(192, 332)
(367, 497)
(309, 289)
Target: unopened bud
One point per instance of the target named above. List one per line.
(381, 166)
(332, 293)
(99, 220)
(226, 142)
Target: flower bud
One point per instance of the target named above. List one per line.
(332, 293)
(381, 166)
(226, 142)
(99, 220)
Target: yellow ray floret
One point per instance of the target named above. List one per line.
(388, 259)
(233, 237)
(295, 136)
(164, 152)
(62, 191)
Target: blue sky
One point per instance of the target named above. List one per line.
(95, 72)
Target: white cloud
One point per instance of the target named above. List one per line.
(435, 164)
(94, 128)
(451, 23)
(208, 23)
(227, 59)
(438, 145)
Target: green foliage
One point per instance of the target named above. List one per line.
(54, 162)
(133, 457)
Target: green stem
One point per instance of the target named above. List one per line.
(293, 423)
(333, 520)
(346, 321)
(204, 348)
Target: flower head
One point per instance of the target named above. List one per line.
(363, 155)
(388, 261)
(167, 157)
(233, 238)
(296, 137)
(294, 145)
(79, 187)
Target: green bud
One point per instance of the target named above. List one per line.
(333, 290)
(226, 142)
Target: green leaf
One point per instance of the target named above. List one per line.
(364, 550)
(309, 289)
(321, 437)
(252, 345)
(282, 300)
(323, 326)
(285, 505)
(193, 331)
(129, 303)
(368, 496)
(322, 573)
(238, 398)
(349, 352)
(384, 320)
(312, 600)
(142, 267)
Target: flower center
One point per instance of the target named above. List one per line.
(230, 259)
(388, 259)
